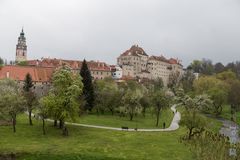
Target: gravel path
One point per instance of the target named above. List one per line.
(173, 126)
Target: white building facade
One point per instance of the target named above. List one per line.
(136, 63)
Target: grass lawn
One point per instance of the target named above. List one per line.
(138, 121)
(90, 144)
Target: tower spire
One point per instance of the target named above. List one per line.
(21, 48)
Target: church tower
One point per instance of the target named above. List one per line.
(21, 48)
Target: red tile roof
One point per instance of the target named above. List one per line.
(54, 63)
(39, 74)
(135, 50)
(158, 58)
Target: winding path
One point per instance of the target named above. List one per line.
(173, 126)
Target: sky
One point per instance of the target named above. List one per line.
(103, 29)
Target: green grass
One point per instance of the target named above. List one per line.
(91, 144)
(213, 124)
(138, 121)
(226, 114)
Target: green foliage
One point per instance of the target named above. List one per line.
(234, 67)
(131, 102)
(63, 100)
(209, 146)
(174, 79)
(187, 81)
(145, 103)
(22, 63)
(203, 84)
(234, 95)
(219, 67)
(191, 118)
(11, 100)
(158, 84)
(1, 62)
(108, 96)
(88, 89)
(203, 66)
(194, 122)
(196, 66)
(29, 95)
(226, 76)
(159, 102)
(219, 97)
(28, 84)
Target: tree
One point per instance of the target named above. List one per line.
(216, 89)
(131, 102)
(158, 84)
(88, 90)
(1, 62)
(47, 103)
(187, 81)
(145, 103)
(218, 67)
(174, 79)
(107, 95)
(29, 96)
(203, 84)
(226, 76)
(219, 98)
(64, 97)
(11, 100)
(203, 66)
(234, 96)
(209, 146)
(196, 66)
(191, 118)
(207, 67)
(159, 101)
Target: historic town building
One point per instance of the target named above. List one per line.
(99, 70)
(21, 48)
(136, 63)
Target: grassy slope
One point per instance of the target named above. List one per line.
(226, 113)
(87, 143)
(115, 121)
(212, 123)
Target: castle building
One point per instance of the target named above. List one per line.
(136, 63)
(21, 48)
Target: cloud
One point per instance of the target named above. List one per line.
(102, 30)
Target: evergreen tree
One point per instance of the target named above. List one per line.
(88, 90)
(29, 95)
(1, 62)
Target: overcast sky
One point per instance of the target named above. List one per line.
(103, 29)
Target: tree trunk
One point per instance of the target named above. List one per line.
(14, 123)
(65, 131)
(190, 133)
(131, 114)
(61, 124)
(30, 117)
(55, 123)
(43, 126)
(144, 111)
(158, 114)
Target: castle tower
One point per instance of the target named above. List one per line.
(21, 48)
